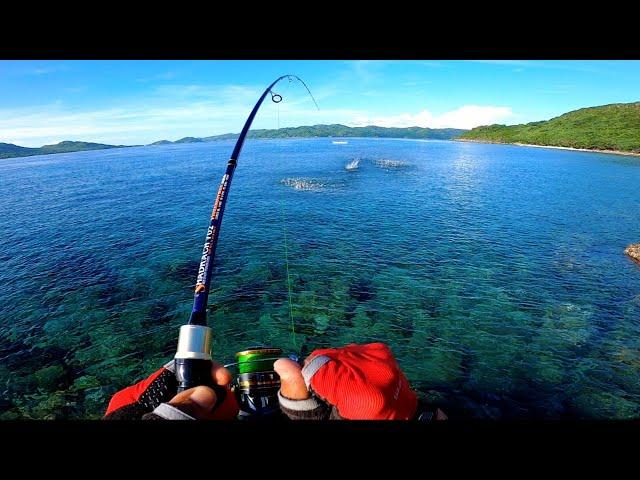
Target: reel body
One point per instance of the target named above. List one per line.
(256, 384)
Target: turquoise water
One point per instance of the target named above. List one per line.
(495, 272)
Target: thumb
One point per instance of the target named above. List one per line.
(197, 402)
(291, 380)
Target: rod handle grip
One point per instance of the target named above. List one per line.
(193, 372)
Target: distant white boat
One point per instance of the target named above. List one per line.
(339, 142)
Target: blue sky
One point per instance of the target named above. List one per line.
(138, 102)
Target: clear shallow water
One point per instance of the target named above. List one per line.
(496, 273)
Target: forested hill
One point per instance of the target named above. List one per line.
(608, 127)
(335, 130)
(9, 150)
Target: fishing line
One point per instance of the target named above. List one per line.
(277, 99)
(286, 261)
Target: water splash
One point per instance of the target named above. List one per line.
(308, 184)
(353, 165)
(384, 163)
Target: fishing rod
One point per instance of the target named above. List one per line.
(193, 356)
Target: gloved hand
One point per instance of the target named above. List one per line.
(355, 382)
(155, 398)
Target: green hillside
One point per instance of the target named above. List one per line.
(335, 130)
(67, 146)
(608, 127)
(188, 140)
(338, 130)
(9, 150)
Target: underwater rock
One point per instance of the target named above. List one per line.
(160, 312)
(50, 377)
(625, 373)
(85, 382)
(603, 406)
(183, 272)
(435, 361)
(249, 291)
(633, 251)
(361, 322)
(10, 415)
(566, 325)
(320, 324)
(52, 406)
(548, 369)
(30, 358)
(95, 402)
(9, 348)
(361, 290)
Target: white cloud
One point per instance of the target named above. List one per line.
(160, 76)
(367, 70)
(173, 111)
(524, 63)
(36, 126)
(572, 65)
(52, 123)
(44, 70)
(221, 93)
(467, 116)
(429, 63)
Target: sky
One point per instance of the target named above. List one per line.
(138, 102)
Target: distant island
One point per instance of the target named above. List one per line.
(611, 128)
(9, 150)
(608, 128)
(335, 130)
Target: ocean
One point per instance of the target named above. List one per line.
(496, 273)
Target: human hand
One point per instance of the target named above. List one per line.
(156, 398)
(355, 382)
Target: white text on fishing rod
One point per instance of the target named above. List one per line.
(206, 250)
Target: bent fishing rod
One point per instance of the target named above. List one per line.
(193, 356)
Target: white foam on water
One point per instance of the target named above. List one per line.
(384, 163)
(353, 164)
(308, 184)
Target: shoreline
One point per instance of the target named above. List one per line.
(592, 150)
(224, 140)
(42, 154)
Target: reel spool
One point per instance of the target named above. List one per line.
(257, 384)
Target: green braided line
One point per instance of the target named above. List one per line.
(286, 260)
